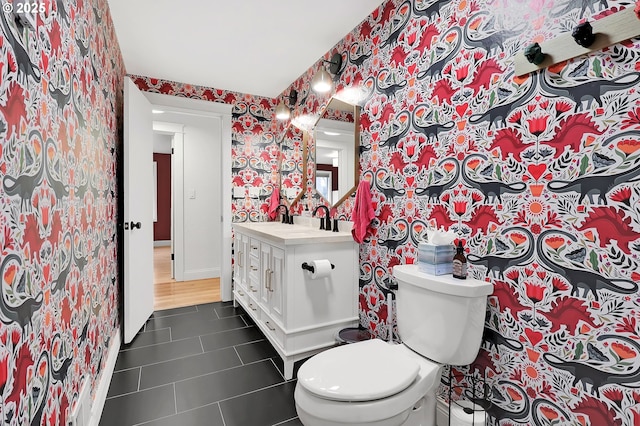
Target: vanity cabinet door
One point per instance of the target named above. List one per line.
(276, 285)
(241, 261)
(272, 276)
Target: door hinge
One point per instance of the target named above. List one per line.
(172, 150)
(171, 256)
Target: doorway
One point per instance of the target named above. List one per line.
(192, 267)
(169, 293)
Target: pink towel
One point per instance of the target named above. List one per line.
(274, 201)
(363, 212)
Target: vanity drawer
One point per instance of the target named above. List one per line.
(254, 247)
(254, 269)
(241, 296)
(252, 308)
(275, 333)
(253, 288)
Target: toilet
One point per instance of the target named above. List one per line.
(440, 321)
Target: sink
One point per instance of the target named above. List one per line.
(292, 234)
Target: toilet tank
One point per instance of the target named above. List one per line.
(440, 317)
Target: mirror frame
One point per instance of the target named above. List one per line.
(304, 159)
(356, 148)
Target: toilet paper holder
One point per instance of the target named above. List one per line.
(311, 269)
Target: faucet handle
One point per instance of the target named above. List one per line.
(322, 223)
(327, 225)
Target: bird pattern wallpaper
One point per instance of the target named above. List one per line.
(61, 80)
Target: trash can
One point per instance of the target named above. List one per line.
(352, 335)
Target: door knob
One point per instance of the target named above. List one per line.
(135, 225)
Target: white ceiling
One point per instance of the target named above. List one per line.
(257, 47)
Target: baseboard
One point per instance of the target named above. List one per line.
(105, 381)
(161, 243)
(201, 274)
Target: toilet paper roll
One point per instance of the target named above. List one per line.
(321, 268)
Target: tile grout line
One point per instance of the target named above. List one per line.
(238, 355)
(224, 423)
(224, 369)
(248, 393)
(245, 321)
(146, 346)
(285, 421)
(175, 398)
(208, 374)
(190, 355)
(278, 370)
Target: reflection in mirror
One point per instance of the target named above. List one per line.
(337, 139)
(293, 167)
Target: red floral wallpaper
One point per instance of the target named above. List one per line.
(256, 137)
(60, 112)
(539, 175)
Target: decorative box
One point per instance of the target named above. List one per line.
(435, 269)
(436, 254)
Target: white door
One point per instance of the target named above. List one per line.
(138, 210)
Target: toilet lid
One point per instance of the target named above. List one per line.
(362, 371)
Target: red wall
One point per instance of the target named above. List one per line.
(162, 227)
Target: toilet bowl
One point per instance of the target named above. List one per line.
(374, 383)
(367, 383)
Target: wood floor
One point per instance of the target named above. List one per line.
(172, 294)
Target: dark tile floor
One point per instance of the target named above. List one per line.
(200, 365)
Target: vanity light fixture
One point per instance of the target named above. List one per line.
(282, 111)
(322, 81)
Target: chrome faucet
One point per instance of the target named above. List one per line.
(325, 222)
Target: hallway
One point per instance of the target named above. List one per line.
(200, 365)
(171, 294)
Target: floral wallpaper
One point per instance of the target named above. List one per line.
(61, 82)
(538, 174)
(255, 142)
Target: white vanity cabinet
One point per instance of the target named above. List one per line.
(240, 264)
(272, 262)
(298, 314)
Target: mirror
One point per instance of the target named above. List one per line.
(293, 167)
(336, 151)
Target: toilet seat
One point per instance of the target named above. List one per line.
(319, 410)
(352, 372)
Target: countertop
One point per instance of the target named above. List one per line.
(284, 234)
